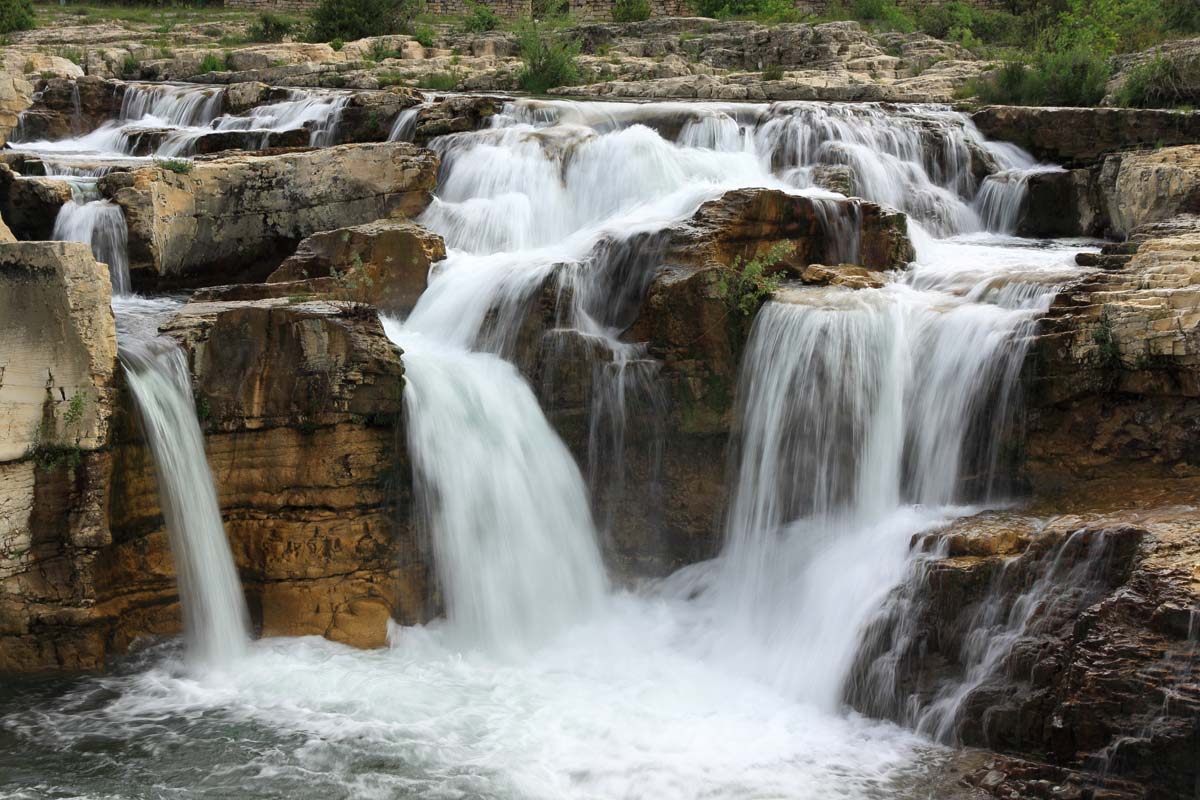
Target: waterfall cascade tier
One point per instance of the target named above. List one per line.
(166, 121)
(216, 622)
(864, 420)
(99, 223)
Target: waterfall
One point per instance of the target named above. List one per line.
(863, 417)
(503, 499)
(215, 620)
(99, 223)
(405, 124)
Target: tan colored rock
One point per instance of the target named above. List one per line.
(59, 348)
(235, 217)
(384, 264)
(1116, 386)
(6, 235)
(1151, 186)
(15, 96)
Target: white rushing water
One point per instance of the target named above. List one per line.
(97, 222)
(216, 622)
(166, 120)
(864, 418)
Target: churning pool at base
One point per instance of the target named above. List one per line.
(622, 706)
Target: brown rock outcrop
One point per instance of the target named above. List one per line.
(30, 205)
(1076, 137)
(237, 217)
(1115, 381)
(745, 224)
(1113, 604)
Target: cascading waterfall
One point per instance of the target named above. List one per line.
(187, 113)
(504, 501)
(864, 417)
(100, 223)
(216, 622)
(406, 124)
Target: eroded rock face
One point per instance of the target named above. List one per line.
(1150, 186)
(71, 107)
(747, 223)
(57, 386)
(1116, 367)
(237, 217)
(1081, 679)
(384, 264)
(30, 205)
(1081, 136)
(301, 406)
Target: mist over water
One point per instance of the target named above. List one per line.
(860, 416)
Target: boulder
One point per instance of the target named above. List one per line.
(238, 216)
(1063, 203)
(745, 224)
(1079, 137)
(368, 116)
(458, 114)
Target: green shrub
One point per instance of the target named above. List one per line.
(883, 14)
(481, 19)
(959, 21)
(269, 28)
(212, 63)
(441, 81)
(177, 165)
(772, 72)
(425, 35)
(357, 19)
(380, 50)
(130, 66)
(631, 10)
(1182, 16)
(16, 15)
(547, 9)
(549, 58)
(1074, 77)
(337, 44)
(1161, 83)
(746, 286)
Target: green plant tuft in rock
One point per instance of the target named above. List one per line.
(746, 286)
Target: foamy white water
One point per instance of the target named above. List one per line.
(861, 413)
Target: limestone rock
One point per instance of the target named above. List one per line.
(1066, 203)
(1081, 136)
(59, 353)
(237, 216)
(15, 94)
(57, 391)
(1150, 186)
(1116, 365)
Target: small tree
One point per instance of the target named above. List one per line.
(549, 58)
(631, 10)
(357, 19)
(16, 15)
